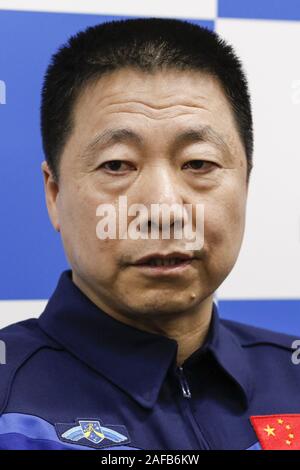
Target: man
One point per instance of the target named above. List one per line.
(130, 352)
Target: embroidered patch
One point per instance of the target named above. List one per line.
(277, 432)
(90, 432)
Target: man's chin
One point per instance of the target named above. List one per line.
(165, 306)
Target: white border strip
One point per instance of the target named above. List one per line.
(204, 9)
(12, 311)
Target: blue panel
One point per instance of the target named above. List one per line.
(277, 315)
(31, 252)
(206, 23)
(260, 9)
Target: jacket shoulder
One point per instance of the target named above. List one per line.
(249, 335)
(19, 342)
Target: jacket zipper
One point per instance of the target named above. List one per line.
(184, 384)
(186, 392)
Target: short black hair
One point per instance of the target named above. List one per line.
(146, 44)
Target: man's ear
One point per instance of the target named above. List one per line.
(51, 193)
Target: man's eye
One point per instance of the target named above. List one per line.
(115, 166)
(200, 165)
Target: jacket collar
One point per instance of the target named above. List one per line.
(123, 353)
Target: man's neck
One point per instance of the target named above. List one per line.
(195, 333)
(188, 329)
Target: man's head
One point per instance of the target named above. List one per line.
(169, 101)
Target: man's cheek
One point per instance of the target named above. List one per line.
(215, 228)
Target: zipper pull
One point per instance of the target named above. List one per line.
(183, 383)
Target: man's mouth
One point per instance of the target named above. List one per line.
(160, 264)
(165, 262)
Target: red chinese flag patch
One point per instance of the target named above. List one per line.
(277, 432)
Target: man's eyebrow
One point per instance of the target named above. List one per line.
(202, 133)
(110, 137)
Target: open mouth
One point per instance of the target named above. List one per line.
(160, 262)
(164, 266)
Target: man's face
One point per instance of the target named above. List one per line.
(156, 168)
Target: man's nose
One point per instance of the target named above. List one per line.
(160, 191)
(160, 185)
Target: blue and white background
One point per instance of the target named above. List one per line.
(264, 287)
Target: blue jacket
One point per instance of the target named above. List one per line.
(78, 379)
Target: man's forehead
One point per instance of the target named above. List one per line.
(106, 109)
(155, 93)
